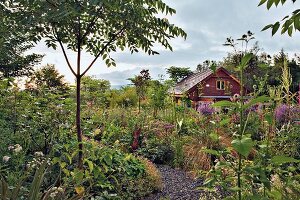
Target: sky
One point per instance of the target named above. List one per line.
(207, 23)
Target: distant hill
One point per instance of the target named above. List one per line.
(116, 86)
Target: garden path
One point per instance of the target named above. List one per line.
(177, 185)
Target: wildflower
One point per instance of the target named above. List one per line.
(11, 147)
(281, 112)
(60, 189)
(205, 109)
(6, 159)
(168, 126)
(39, 154)
(18, 148)
(53, 195)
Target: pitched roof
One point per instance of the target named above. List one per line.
(190, 81)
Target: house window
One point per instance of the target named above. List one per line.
(220, 85)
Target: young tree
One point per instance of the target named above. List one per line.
(178, 73)
(158, 93)
(98, 27)
(205, 65)
(141, 82)
(95, 91)
(47, 77)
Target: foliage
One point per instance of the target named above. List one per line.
(141, 82)
(207, 64)
(98, 27)
(124, 98)
(288, 24)
(47, 78)
(178, 73)
(13, 45)
(103, 170)
(158, 96)
(95, 91)
(147, 184)
(245, 168)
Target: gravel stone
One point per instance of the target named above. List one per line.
(177, 185)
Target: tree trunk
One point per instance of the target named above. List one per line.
(78, 123)
(139, 104)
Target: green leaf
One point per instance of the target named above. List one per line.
(225, 121)
(262, 2)
(257, 197)
(211, 151)
(290, 31)
(225, 104)
(246, 58)
(275, 28)
(108, 159)
(214, 136)
(209, 181)
(269, 4)
(213, 67)
(260, 99)
(243, 146)
(90, 164)
(269, 118)
(37, 182)
(267, 27)
(278, 160)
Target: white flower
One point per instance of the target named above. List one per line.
(5, 159)
(39, 153)
(10, 147)
(53, 195)
(59, 189)
(18, 148)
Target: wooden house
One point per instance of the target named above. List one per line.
(207, 86)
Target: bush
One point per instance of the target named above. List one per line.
(158, 151)
(144, 185)
(108, 172)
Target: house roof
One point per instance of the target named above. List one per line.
(192, 80)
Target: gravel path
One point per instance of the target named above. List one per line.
(178, 186)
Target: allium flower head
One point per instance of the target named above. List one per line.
(205, 109)
(282, 113)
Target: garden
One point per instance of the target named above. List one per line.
(90, 141)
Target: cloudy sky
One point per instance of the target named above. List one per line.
(208, 23)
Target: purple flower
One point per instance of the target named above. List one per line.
(205, 109)
(285, 113)
(168, 126)
(281, 113)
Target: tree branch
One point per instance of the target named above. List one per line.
(66, 57)
(102, 50)
(91, 23)
(55, 34)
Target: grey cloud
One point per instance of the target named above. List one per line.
(207, 23)
(121, 77)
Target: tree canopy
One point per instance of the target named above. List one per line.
(178, 73)
(47, 77)
(13, 44)
(98, 27)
